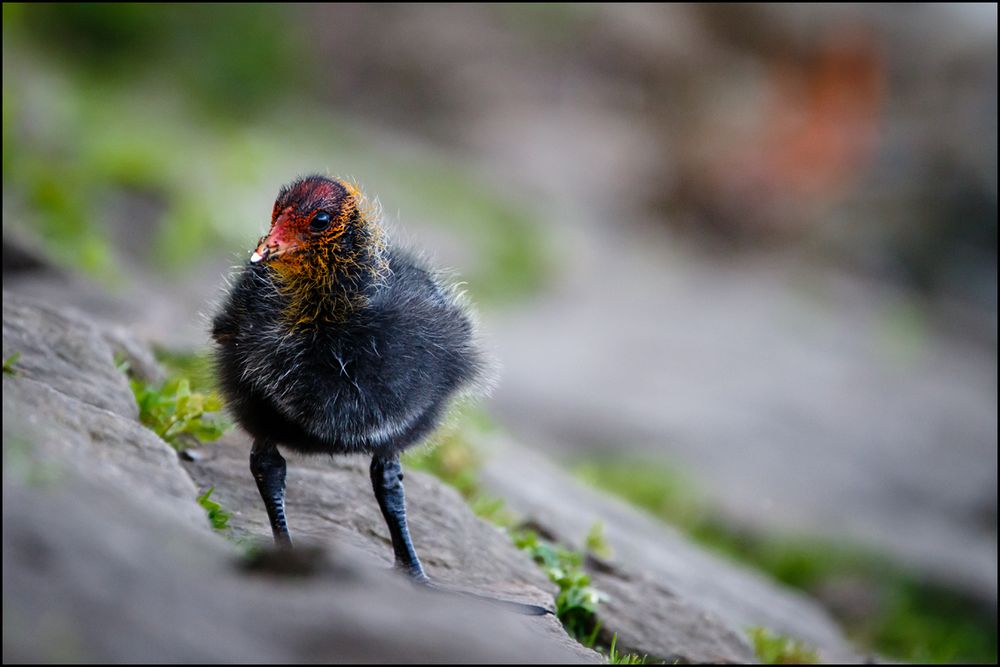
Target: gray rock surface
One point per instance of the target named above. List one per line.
(75, 409)
(91, 577)
(668, 597)
(107, 556)
(798, 400)
(651, 619)
(49, 429)
(330, 501)
(66, 351)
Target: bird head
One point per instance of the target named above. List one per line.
(325, 248)
(319, 222)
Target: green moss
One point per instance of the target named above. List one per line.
(251, 51)
(452, 458)
(181, 416)
(8, 364)
(597, 544)
(182, 237)
(774, 649)
(659, 489)
(510, 244)
(196, 367)
(911, 619)
(616, 658)
(218, 517)
(60, 207)
(577, 600)
(925, 623)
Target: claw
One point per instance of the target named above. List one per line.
(515, 607)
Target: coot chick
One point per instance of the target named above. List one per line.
(332, 341)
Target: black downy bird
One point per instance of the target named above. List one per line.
(331, 341)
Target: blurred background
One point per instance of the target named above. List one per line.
(739, 262)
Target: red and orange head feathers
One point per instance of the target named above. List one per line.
(325, 247)
(314, 215)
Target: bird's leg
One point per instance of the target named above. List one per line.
(387, 481)
(268, 468)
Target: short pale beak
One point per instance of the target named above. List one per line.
(275, 244)
(262, 252)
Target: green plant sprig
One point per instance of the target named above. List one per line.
(773, 649)
(8, 364)
(577, 600)
(218, 517)
(177, 414)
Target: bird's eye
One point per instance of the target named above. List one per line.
(320, 221)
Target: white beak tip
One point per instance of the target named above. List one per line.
(256, 257)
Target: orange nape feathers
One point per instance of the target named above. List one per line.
(325, 246)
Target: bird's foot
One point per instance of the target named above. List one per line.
(409, 564)
(416, 574)
(516, 607)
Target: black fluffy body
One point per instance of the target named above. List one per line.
(375, 380)
(352, 348)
